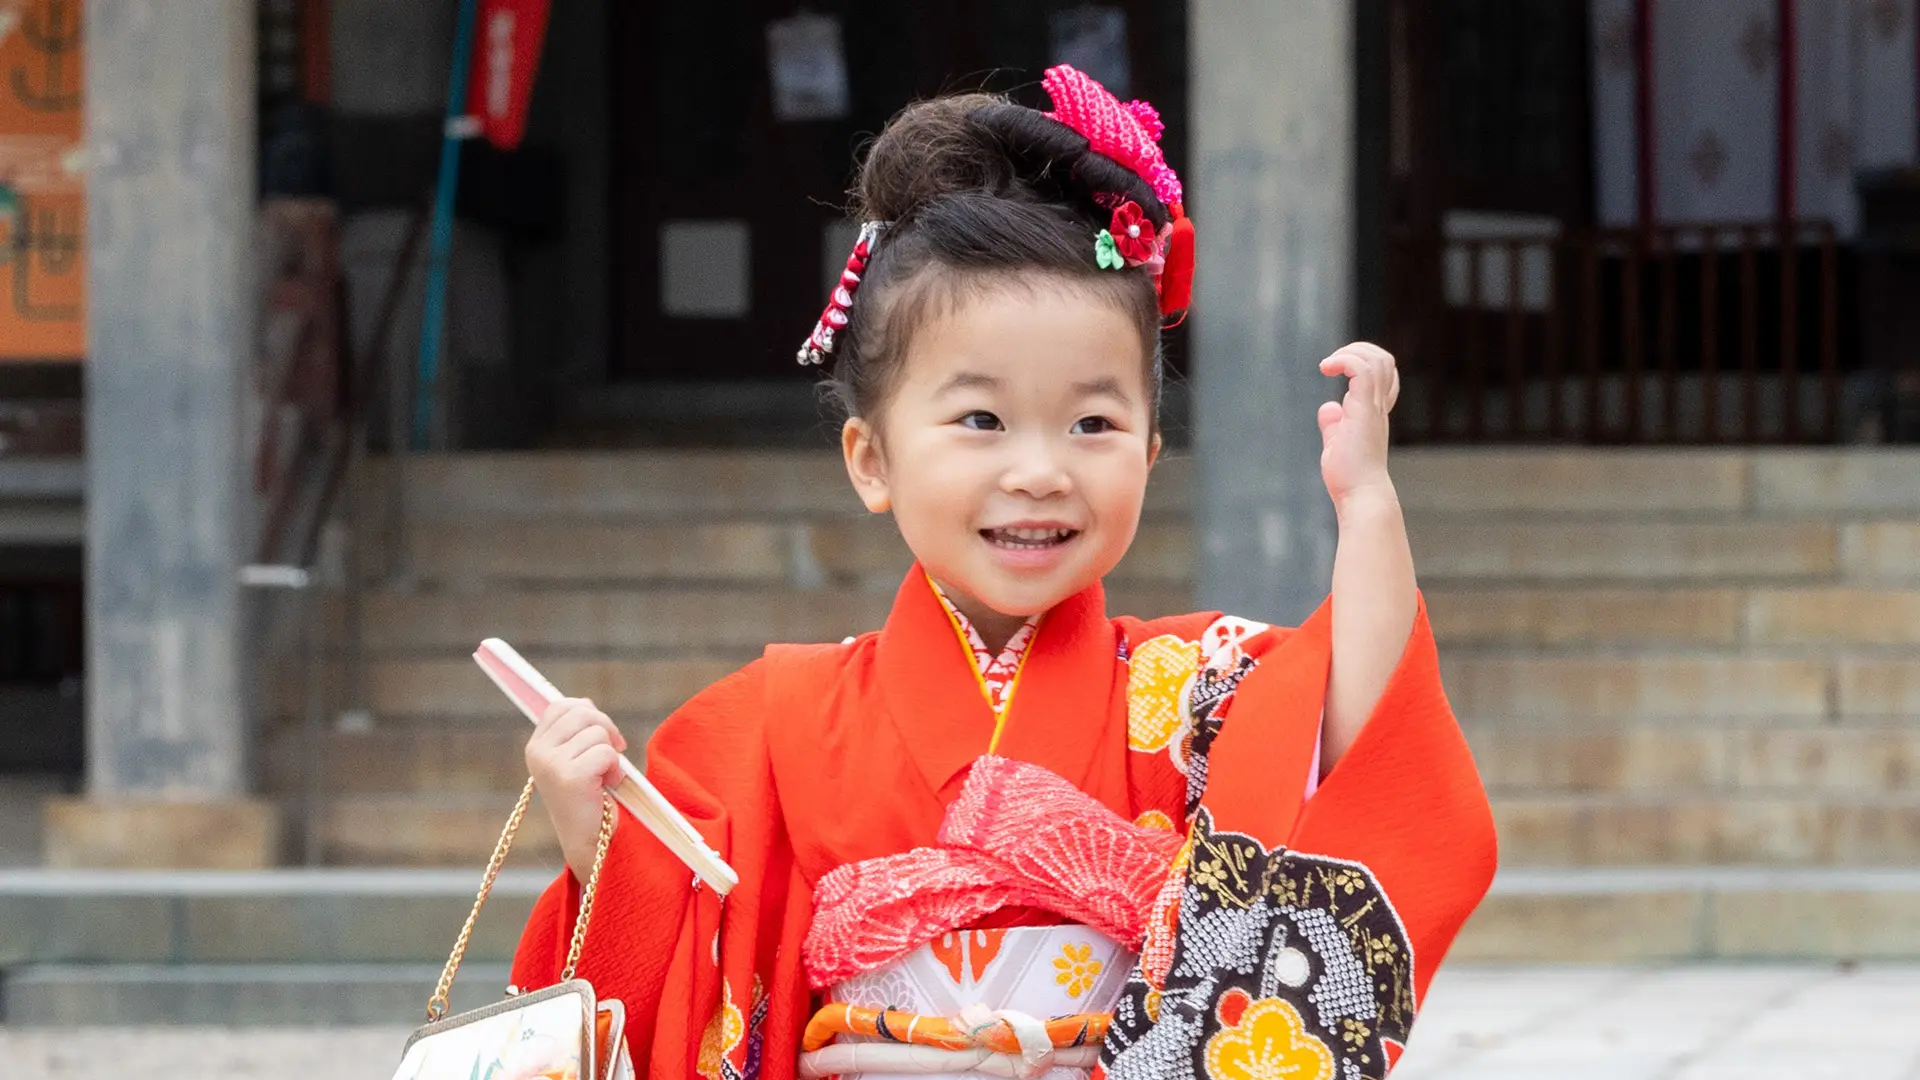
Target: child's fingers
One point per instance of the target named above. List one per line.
(578, 715)
(576, 748)
(604, 764)
(1330, 414)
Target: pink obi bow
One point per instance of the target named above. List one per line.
(1017, 836)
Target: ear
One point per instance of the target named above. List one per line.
(1153, 450)
(866, 465)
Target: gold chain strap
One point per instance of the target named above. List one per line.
(437, 1004)
(592, 888)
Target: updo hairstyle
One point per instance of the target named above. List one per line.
(980, 193)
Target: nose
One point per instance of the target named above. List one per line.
(1037, 469)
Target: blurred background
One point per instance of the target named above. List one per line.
(340, 334)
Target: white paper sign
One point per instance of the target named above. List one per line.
(808, 68)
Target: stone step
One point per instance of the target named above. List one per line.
(332, 917)
(764, 551)
(1684, 688)
(435, 830)
(1467, 617)
(1686, 827)
(350, 947)
(1844, 762)
(239, 995)
(453, 688)
(1515, 692)
(654, 485)
(472, 760)
(1449, 549)
(1610, 916)
(1705, 689)
(678, 485)
(662, 622)
(1711, 552)
(1785, 618)
(1520, 621)
(445, 829)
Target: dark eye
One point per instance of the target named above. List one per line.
(981, 420)
(1093, 425)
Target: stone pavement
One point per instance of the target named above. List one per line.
(1485, 1023)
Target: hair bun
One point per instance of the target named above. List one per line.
(985, 144)
(931, 149)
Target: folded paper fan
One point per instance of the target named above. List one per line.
(530, 690)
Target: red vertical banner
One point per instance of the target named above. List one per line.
(506, 56)
(43, 268)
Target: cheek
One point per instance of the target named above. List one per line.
(1123, 487)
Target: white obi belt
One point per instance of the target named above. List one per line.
(1025, 1003)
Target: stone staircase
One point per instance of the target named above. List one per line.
(1692, 681)
(1662, 658)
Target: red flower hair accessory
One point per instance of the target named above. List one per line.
(820, 343)
(1133, 234)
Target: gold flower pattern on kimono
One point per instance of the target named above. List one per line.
(723, 1035)
(1077, 969)
(1158, 674)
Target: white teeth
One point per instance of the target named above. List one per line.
(1025, 536)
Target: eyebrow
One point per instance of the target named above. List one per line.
(1105, 385)
(968, 380)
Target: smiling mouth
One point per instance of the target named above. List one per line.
(1020, 539)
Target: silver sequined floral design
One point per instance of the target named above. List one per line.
(1297, 957)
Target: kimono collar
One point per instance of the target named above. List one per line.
(931, 688)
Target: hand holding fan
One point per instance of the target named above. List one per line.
(530, 690)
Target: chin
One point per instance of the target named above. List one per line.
(1026, 599)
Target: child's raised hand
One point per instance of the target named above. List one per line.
(574, 755)
(1353, 430)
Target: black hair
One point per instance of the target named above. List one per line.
(975, 188)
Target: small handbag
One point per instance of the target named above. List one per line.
(564, 1032)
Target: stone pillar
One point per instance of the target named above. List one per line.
(1272, 195)
(170, 207)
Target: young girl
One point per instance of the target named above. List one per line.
(1008, 834)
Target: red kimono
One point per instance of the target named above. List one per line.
(1296, 935)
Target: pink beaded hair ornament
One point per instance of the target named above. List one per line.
(1127, 133)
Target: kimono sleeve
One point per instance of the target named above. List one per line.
(656, 941)
(1297, 937)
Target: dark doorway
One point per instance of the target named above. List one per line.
(726, 216)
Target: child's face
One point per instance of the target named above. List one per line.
(1014, 448)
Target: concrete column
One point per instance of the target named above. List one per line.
(170, 206)
(1272, 196)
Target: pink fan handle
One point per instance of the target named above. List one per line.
(532, 693)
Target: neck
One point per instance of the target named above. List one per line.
(995, 628)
